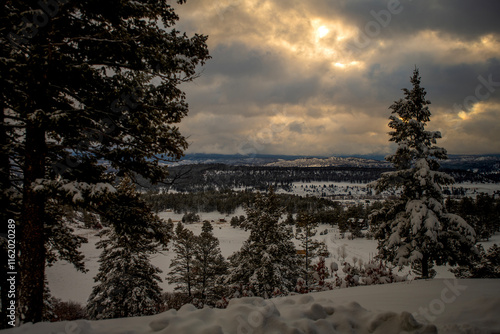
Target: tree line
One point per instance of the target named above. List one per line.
(482, 213)
(193, 178)
(227, 201)
(205, 177)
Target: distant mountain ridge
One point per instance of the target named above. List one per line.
(237, 159)
(481, 163)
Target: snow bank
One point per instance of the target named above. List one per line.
(250, 315)
(444, 306)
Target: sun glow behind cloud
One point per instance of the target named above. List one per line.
(476, 110)
(322, 31)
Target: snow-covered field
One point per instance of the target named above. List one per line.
(434, 306)
(62, 276)
(357, 190)
(68, 284)
(465, 306)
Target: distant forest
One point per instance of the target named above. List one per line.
(205, 177)
(226, 202)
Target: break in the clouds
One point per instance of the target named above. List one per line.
(317, 77)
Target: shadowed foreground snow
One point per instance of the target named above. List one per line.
(434, 306)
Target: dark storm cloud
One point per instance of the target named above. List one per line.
(242, 74)
(238, 60)
(460, 18)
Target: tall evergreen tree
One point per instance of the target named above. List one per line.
(89, 90)
(267, 263)
(416, 228)
(182, 265)
(128, 284)
(209, 264)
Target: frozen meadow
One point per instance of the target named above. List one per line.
(63, 277)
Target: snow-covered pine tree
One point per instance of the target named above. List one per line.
(128, 284)
(208, 266)
(182, 264)
(48, 302)
(289, 219)
(305, 230)
(416, 228)
(60, 242)
(85, 86)
(267, 263)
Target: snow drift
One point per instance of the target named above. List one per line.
(435, 306)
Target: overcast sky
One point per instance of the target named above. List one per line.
(317, 77)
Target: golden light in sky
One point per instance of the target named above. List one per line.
(322, 31)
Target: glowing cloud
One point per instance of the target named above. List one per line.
(322, 31)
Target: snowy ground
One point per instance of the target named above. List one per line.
(62, 276)
(466, 306)
(434, 306)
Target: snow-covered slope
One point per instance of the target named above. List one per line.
(434, 306)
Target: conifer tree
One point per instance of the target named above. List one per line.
(306, 229)
(486, 265)
(48, 302)
(267, 263)
(182, 265)
(209, 264)
(90, 90)
(128, 284)
(416, 228)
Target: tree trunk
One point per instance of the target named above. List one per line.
(307, 262)
(4, 213)
(4, 168)
(425, 265)
(205, 277)
(188, 269)
(31, 239)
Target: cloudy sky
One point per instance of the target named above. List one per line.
(317, 77)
